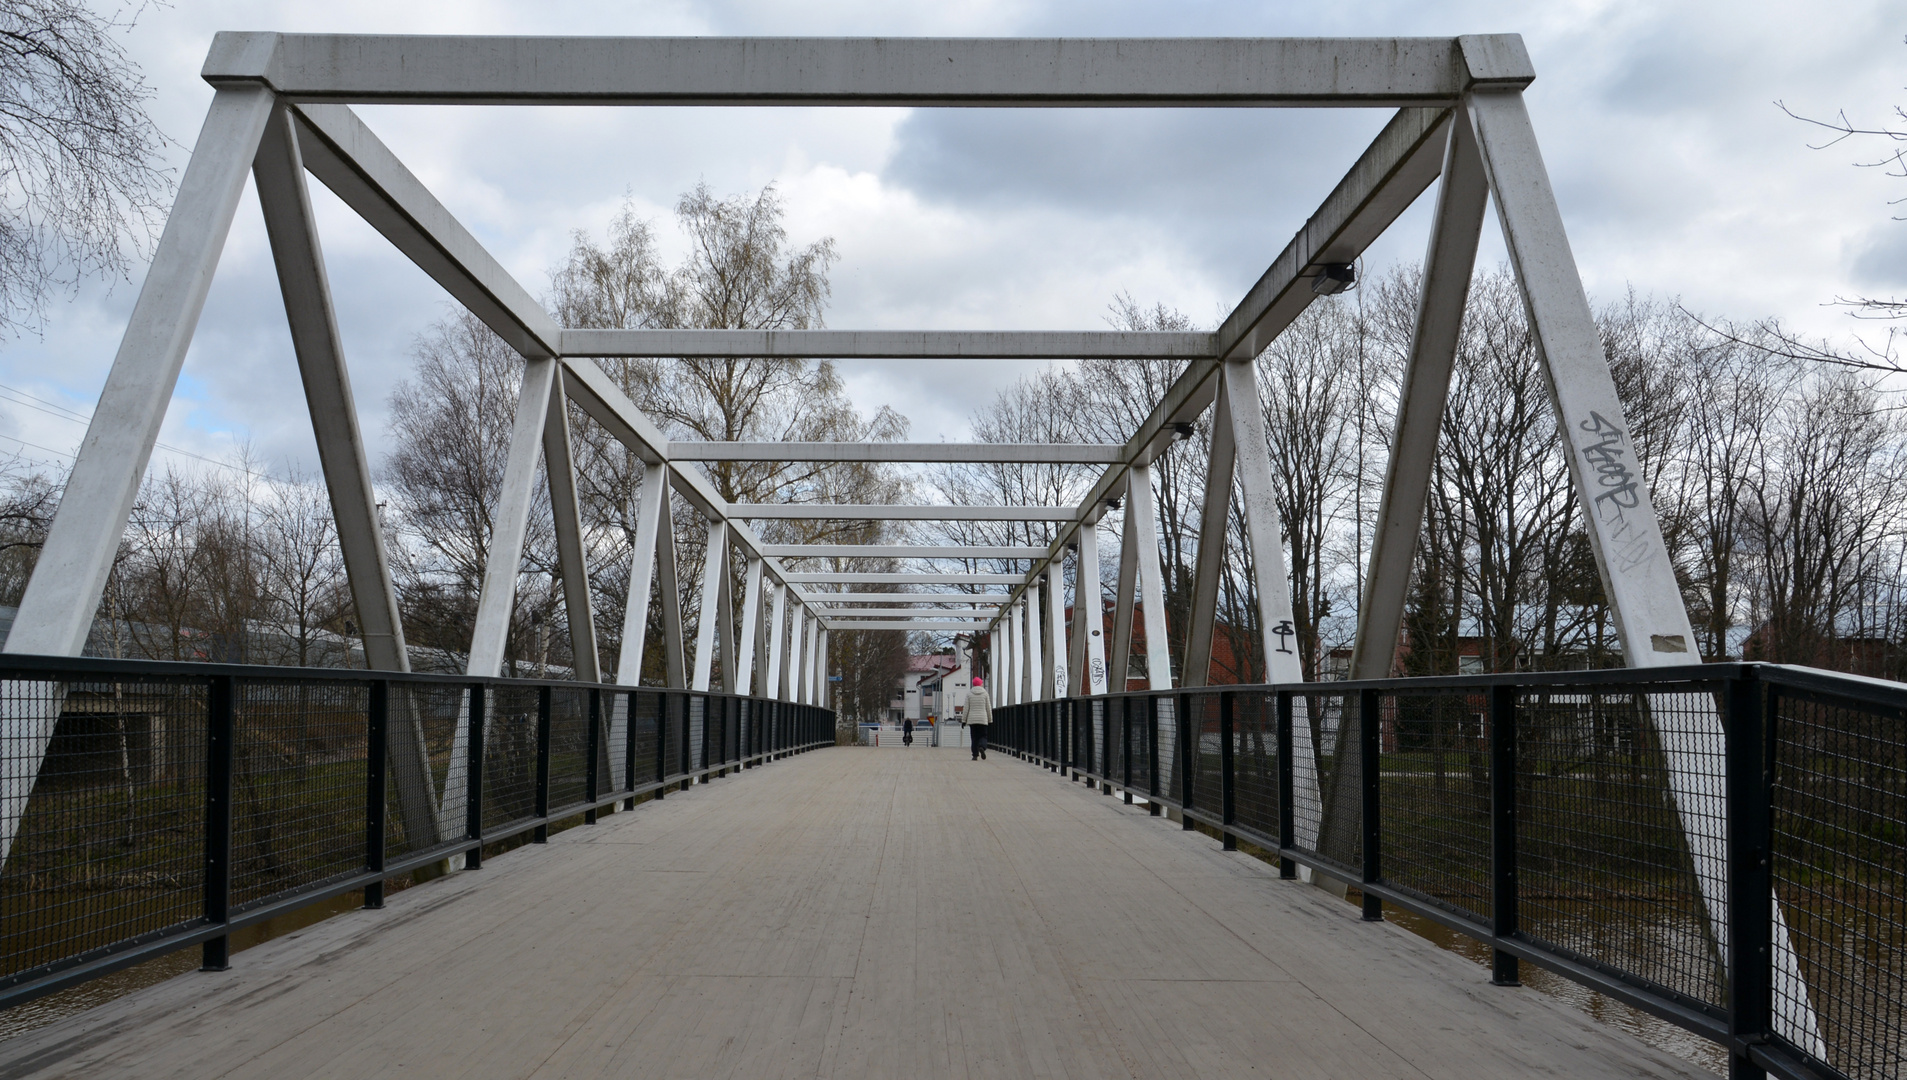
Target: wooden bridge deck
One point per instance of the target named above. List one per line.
(851, 913)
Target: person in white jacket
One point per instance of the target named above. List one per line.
(979, 715)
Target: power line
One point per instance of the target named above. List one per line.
(61, 412)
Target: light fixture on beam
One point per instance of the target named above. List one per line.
(1334, 278)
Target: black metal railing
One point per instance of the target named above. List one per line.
(150, 807)
(1723, 846)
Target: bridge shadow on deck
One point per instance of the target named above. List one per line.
(853, 913)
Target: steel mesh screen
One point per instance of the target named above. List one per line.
(1255, 762)
(1208, 791)
(509, 757)
(1603, 849)
(645, 717)
(299, 785)
(732, 718)
(437, 714)
(110, 841)
(698, 733)
(1152, 766)
(1840, 830)
(1434, 797)
(569, 747)
(1335, 835)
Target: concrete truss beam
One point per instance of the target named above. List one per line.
(892, 453)
(892, 344)
(1048, 72)
(898, 551)
(903, 624)
(889, 578)
(883, 512)
(899, 612)
(954, 599)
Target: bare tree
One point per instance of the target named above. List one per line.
(28, 498)
(81, 195)
(301, 569)
(741, 273)
(451, 428)
(1828, 506)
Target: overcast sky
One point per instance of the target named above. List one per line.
(1675, 171)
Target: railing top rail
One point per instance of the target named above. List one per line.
(1879, 692)
(19, 665)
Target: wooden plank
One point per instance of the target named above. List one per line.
(854, 913)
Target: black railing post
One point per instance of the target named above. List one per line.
(1503, 965)
(629, 747)
(221, 731)
(1228, 810)
(543, 695)
(376, 761)
(1750, 791)
(473, 780)
(1370, 766)
(1182, 751)
(593, 755)
(1287, 828)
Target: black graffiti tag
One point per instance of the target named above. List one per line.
(1621, 492)
(1284, 633)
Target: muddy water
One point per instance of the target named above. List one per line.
(1657, 1033)
(77, 999)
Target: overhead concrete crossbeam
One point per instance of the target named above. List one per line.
(894, 612)
(955, 599)
(898, 551)
(903, 624)
(900, 72)
(895, 453)
(871, 577)
(891, 344)
(898, 512)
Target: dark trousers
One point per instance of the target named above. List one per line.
(977, 735)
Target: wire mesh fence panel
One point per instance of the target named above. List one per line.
(1205, 761)
(104, 828)
(645, 722)
(569, 747)
(1325, 821)
(1095, 748)
(509, 757)
(1840, 869)
(1152, 766)
(299, 775)
(698, 733)
(1434, 797)
(1603, 849)
(1255, 762)
(732, 719)
(437, 714)
(682, 748)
